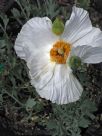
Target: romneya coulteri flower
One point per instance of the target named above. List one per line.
(47, 54)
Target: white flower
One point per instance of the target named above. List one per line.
(50, 74)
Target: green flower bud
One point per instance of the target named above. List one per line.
(58, 26)
(75, 62)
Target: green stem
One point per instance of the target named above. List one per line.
(38, 4)
(4, 31)
(76, 2)
(14, 98)
(22, 10)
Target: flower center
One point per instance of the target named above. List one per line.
(60, 51)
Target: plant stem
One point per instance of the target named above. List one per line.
(14, 98)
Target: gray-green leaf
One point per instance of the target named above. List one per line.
(30, 103)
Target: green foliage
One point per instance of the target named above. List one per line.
(25, 8)
(84, 3)
(1, 99)
(1, 68)
(51, 8)
(17, 15)
(30, 103)
(4, 19)
(69, 119)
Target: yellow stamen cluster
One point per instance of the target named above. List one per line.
(60, 51)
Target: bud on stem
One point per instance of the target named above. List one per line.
(74, 62)
(58, 26)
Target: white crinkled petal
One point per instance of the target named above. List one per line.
(62, 88)
(88, 54)
(41, 69)
(35, 35)
(77, 26)
(93, 38)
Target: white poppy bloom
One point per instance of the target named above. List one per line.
(47, 54)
